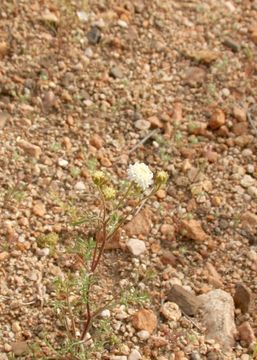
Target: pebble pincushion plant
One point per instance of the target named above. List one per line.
(74, 304)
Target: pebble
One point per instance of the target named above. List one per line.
(39, 209)
(231, 44)
(246, 333)
(136, 247)
(142, 124)
(143, 335)
(116, 72)
(43, 252)
(80, 186)
(122, 24)
(145, 319)
(106, 313)
(134, 355)
(19, 347)
(171, 311)
(63, 163)
(30, 149)
(239, 114)
(4, 255)
(7, 347)
(195, 76)
(242, 297)
(192, 229)
(94, 35)
(217, 119)
(247, 181)
(118, 357)
(96, 141)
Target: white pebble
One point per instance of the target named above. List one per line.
(136, 247)
(80, 186)
(63, 163)
(106, 313)
(143, 335)
(134, 355)
(122, 24)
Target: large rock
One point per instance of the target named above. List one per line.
(218, 318)
(186, 300)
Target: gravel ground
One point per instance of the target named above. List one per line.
(104, 84)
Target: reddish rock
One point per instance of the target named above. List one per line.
(167, 258)
(3, 49)
(4, 255)
(39, 209)
(239, 114)
(217, 119)
(177, 112)
(145, 320)
(223, 131)
(193, 230)
(161, 194)
(155, 122)
(214, 278)
(96, 141)
(141, 224)
(30, 149)
(158, 342)
(242, 298)
(240, 128)
(212, 156)
(246, 333)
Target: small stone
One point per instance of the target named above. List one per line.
(118, 357)
(186, 300)
(242, 298)
(168, 231)
(246, 333)
(136, 247)
(141, 224)
(252, 191)
(16, 327)
(3, 119)
(193, 230)
(3, 49)
(122, 24)
(89, 52)
(195, 76)
(143, 335)
(116, 72)
(171, 311)
(4, 255)
(158, 342)
(39, 209)
(240, 114)
(96, 141)
(218, 318)
(49, 17)
(80, 186)
(30, 149)
(19, 347)
(63, 163)
(231, 44)
(217, 119)
(43, 252)
(204, 56)
(254, 37)
(145, 320)
(180, 355)
(94, 35)
(106, 314)
(212, 156)
(167, 258)
(155, 122)
(7, 347)
(142, 124)
(134, 355)
(214, 278)
(240, 128)
(247, 181)
(249, 221)
(161, 194)
(105, 162)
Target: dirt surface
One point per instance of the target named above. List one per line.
(102, 84)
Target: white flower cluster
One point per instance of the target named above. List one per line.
(141, 175)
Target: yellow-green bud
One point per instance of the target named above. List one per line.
(98, 178)
(161, 178)
(109, 193)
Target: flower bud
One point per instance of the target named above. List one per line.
(161, 178)
(98, 178)
(109, 193)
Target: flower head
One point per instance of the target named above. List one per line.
(161, 178)
(98, 178)
(109, 193)
(141, 175)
